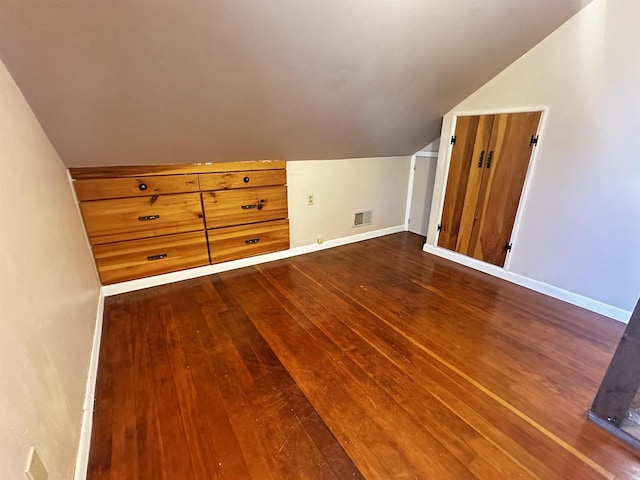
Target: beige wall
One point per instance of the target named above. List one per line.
(48, 297)
(581, 224)
(340, 188)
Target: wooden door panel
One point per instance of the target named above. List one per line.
(476, 172)
(457, 180)
(502, 183)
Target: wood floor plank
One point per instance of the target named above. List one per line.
(339, 374)
(479, 343)
(149, 444)
(176, 455)
(222, 448)
(322, 309)
(371, 360)
(487, 364)
(287, 429)
(417, 384)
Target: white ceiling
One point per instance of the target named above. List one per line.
(132, 82)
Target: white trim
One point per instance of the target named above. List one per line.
(412, 176)
(443, 190)
(497, 110)
(535, 285)
(148, 282)
(426, 154)
(82, 460)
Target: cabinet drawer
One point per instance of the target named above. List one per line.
(122, 261)
(102, 188)
(243, 241)
(224, 181)
(247, 205)
(132, 218)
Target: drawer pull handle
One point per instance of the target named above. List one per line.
(257, 205)
(160, 256)
(246, 179)
(142, 187)
(252, 241)
(148, 217)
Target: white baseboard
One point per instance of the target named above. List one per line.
(82, 460)
(154, 281)
(540, 287)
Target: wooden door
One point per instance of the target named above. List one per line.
(499, 195)
(465, 175)
(489, 163)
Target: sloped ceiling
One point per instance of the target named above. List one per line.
(134, 82)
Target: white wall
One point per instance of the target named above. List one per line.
(48, 297)
(340, 188)
(581, 223)
(432, 147)
(422, 193)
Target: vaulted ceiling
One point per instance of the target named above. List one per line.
(131, 82)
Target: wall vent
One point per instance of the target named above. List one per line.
(362, 218)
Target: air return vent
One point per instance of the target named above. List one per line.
(362, 218)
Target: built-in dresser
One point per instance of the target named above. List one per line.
(153, 219)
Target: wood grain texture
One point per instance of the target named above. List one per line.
(121, 261)
(500, 193)
(104, 188)
(621, 383)
(457, 180)
(172, 169)
(249, 205)
(475, 179)
(243, 241)
(413, 366)
(132, 218)
(246, 179)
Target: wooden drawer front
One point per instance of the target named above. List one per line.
(132, 218)
(101, 188)
(224, 181)
(122, 261)
(232, 243)
(248, 205)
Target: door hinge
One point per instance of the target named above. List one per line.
(439, 227)
(507, 247)
(453, 139)
(534, 141)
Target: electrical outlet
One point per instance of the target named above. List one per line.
(35, 468)
(310, 199)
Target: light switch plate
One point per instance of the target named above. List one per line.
(35, 468)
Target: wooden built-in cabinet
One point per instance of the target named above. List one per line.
(148, 220)
(489, 163)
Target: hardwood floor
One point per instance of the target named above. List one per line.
(371, 360)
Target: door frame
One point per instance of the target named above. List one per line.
(544, 109)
